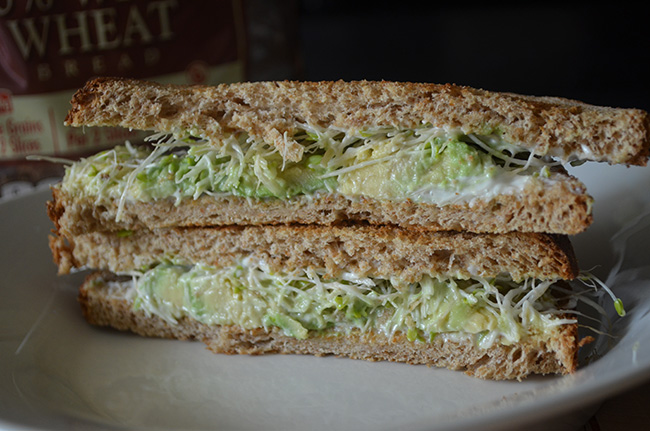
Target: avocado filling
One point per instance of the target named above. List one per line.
(425, 164)
(304, 302)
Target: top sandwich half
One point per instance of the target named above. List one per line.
(436, 157)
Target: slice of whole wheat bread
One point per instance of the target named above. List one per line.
(382, 251)
(107, 304)
(562, 207)
(272, 111)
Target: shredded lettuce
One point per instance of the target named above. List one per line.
(252, 296)
(383, 162)
(596, 284)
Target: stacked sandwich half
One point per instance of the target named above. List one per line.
(405, 222)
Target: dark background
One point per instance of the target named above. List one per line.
(596, 53)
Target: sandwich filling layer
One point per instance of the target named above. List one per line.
(422, 165)
(302, 302)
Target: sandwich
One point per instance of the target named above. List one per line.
(405, 222)
(416, 155)
(492, 305)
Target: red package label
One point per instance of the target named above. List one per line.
(50, 48)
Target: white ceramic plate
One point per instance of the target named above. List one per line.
(56, 372)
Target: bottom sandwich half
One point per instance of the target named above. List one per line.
(495, 306)
(106, 301)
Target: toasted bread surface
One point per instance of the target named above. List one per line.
(365, 250)
(272, 111)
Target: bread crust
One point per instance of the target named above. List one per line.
(555, 354)
(365, 250)
(272, 111)
(562, 208)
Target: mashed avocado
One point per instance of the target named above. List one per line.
(444, 164)
(251, 296)
(191, 175)
(421, 165)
